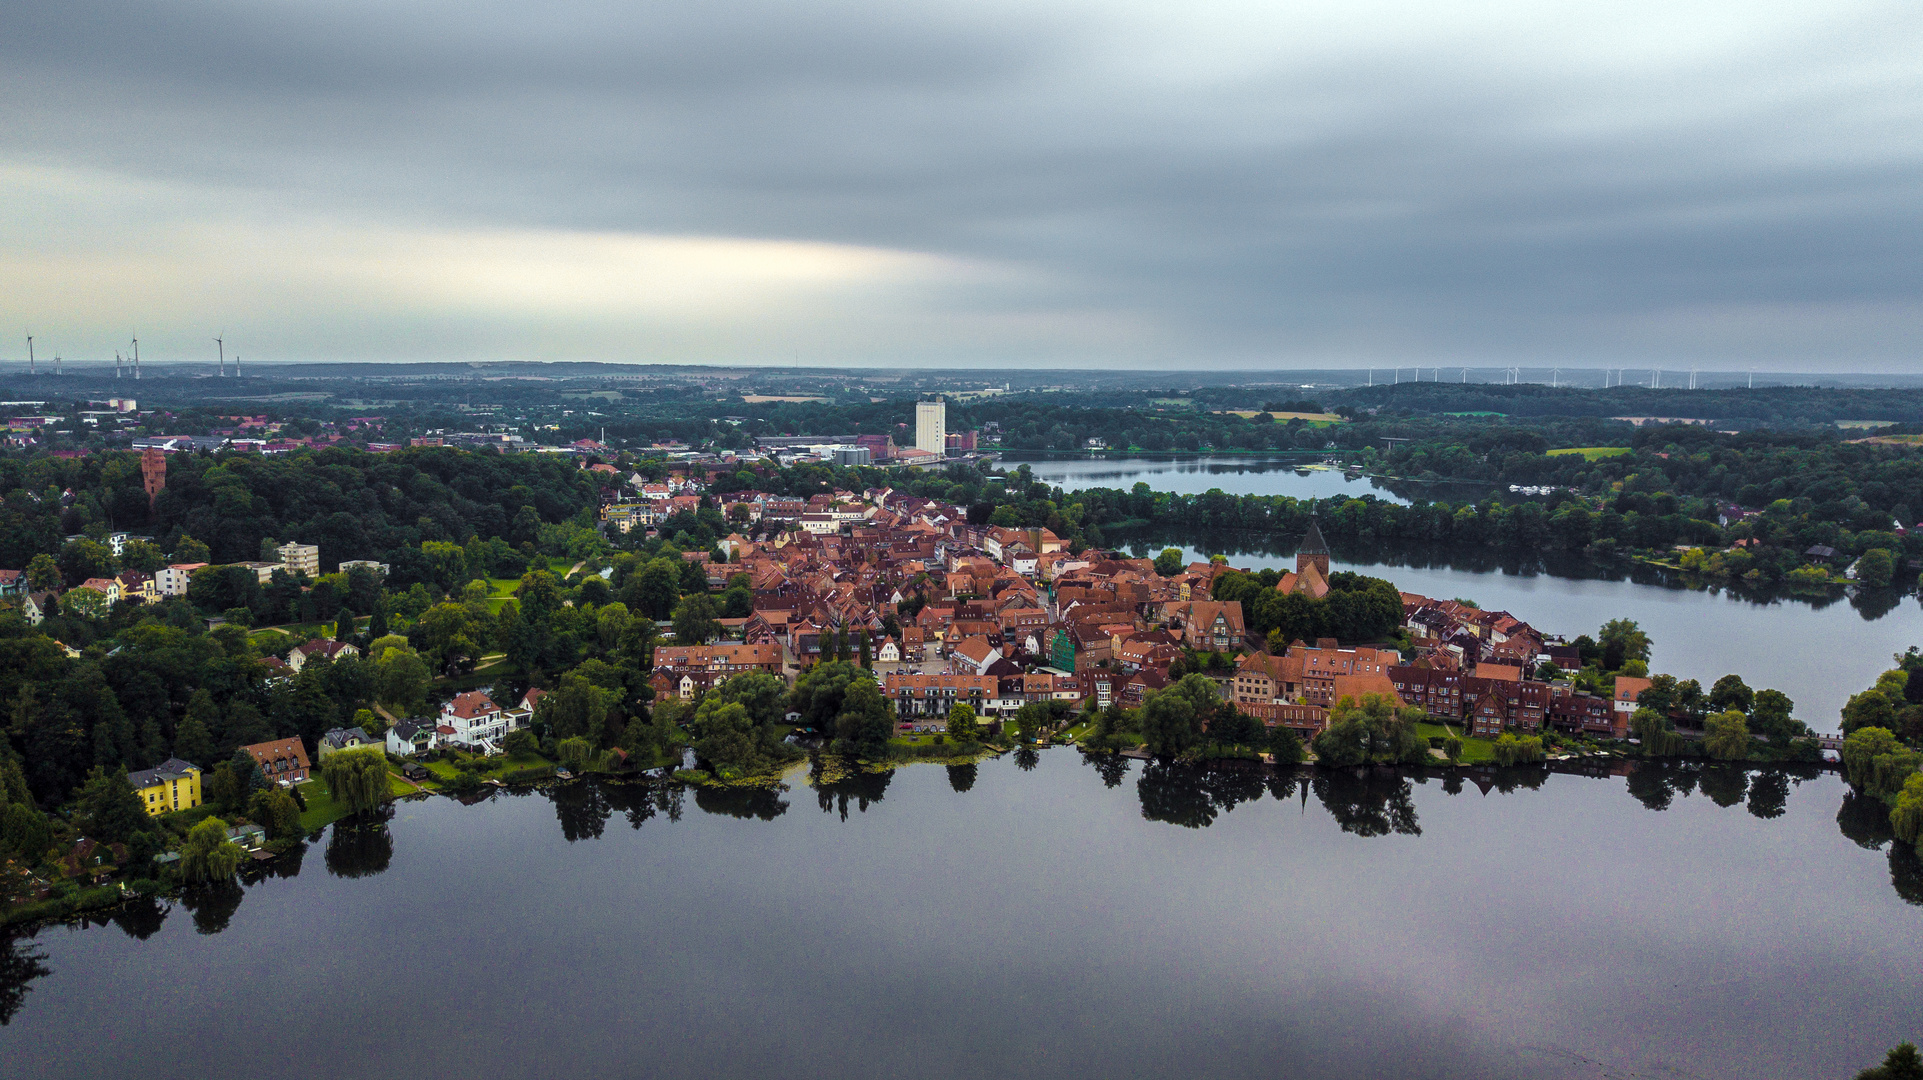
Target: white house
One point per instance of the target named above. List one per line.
(473, 719)
(412, 737)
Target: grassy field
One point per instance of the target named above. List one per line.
(1591, 453)
(1474, 751)
(1315, 419)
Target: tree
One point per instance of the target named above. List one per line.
(1901, 1063)
(189, 550)
(1371, 731)
(207, 855)
(357, 779)
(818, 693)
(1173, 717)
(277, 811)
(401, 678)
(866, 721)
(1169, 562)
(344, 626)
(578, 709)
(1622, 640)
(1876, 567)
(194, 737)
(1861, 748)
(1906, 817)
(1513, 749)
(696, 620)
(43, 573)
(1731, 692)
(961, 723)
(1651, 727)
(765, 696)
(1727, 736)
(1769, 714)
(142, 556)
(108, 809)
(1869, 709)
(1286, 745)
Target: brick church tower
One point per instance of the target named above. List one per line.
(153, 473)
(1314, 551)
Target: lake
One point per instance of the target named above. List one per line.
(1058, 920)
(1194, 475)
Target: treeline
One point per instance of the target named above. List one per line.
(354, 505)
(1776, 405)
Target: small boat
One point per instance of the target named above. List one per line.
(563, 774)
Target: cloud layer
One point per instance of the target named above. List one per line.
(1037, 184)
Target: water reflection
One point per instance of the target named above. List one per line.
(1368, 802)
(140, 918)
(1726, 785)
(1112, 768)
(213, 906)
(21, 962)
(643, 802)
(583, 809)
(860, 788)
(1769, 794)
(362, 849)
(962, 777)
(762, 803)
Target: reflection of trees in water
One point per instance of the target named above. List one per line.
(213, 906)
(285, 865)
(583, 809)
(1191, 797)
(1026, 758)
(858, 787)
(1110, 767)
(764, 803)
(962, 777)
(1725, 784)
(360, 850)
(1769, 794)
(1656, 784)
(1865, 819)
(140, 918)
(21, 962)
(639, 802)
(1368, 802)
(1906, 873)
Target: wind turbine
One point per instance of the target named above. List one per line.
(222, 346)
(136, 359)
(30, 370)
(1752, 378)
(116, 363)
(1555, 377)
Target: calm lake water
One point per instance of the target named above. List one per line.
(1195, 475)
(1059, 920)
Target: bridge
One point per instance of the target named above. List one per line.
(1830, 742)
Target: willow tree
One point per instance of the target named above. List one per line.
(207, 855)
(357, 779)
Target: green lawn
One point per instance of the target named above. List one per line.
(321, 807)
(1591, 453)
(1474, 751)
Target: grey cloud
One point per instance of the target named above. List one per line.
(1376, 199)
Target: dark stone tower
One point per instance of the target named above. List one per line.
(153, 473)
(1313, 551)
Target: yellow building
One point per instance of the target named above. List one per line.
(172, 785)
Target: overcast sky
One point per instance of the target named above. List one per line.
(1035, 184)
